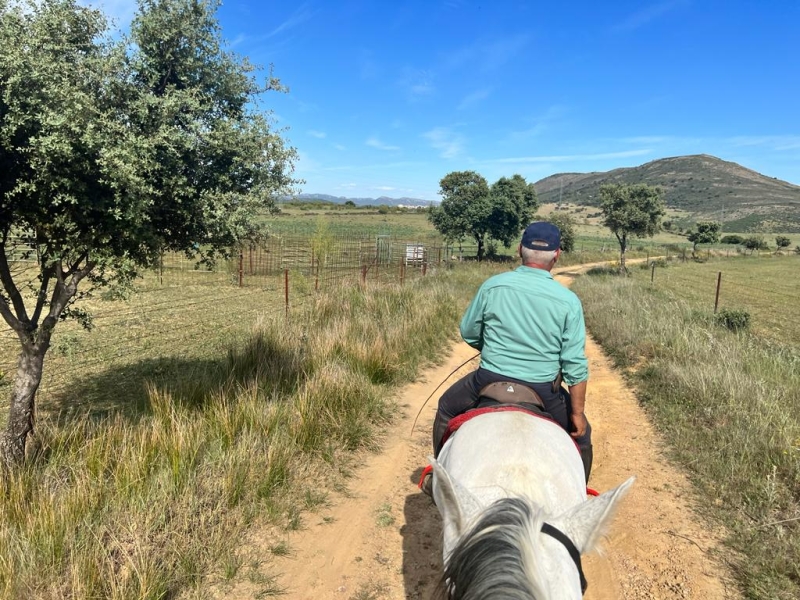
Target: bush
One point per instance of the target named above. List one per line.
(732, 239)
(658, 262)
(734, 320)
(782, 241)
(755, 242)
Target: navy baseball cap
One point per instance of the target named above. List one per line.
(541, 235)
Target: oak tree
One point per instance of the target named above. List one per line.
(631, 210)
(113, 150)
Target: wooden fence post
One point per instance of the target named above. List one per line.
(241, 268)
(286, 290)
(716, 299)
(653, 272)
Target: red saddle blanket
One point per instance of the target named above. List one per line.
(456, 422)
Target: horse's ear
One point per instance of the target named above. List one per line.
(455, 504)
(586, 523)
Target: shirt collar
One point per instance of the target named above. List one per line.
(535, 272)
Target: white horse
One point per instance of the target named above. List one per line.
(511, 491)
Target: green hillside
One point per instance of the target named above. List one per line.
(703, 185)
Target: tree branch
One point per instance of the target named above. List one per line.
(10, 286)
(41, 296)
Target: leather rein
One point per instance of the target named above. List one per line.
(560, 536)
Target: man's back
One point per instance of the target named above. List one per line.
(527, 326)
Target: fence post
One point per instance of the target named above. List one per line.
(716, 299)
(363, 274)
(252, 271)
(424, 268)
(402, 272)
(653, 272)
(161, 267)
(241, 268)
(286, 290)
(648, 255)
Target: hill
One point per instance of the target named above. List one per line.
(363, 201)
(704, 186)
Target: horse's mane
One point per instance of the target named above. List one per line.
(495, 559)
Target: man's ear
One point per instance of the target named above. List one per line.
(519, 250)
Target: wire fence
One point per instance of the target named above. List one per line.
(184, 314)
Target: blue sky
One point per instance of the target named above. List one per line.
(388, 97)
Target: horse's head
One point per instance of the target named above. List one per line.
(502, 551)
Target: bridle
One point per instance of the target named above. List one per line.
(560, 536)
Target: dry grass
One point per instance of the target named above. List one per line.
(152, 501)
(727, 403)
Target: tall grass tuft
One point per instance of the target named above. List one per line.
(729, 405)
(159, 503)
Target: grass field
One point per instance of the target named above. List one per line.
(768, 287)
(153, 498)
(728, 403)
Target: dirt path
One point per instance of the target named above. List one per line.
(385, 540)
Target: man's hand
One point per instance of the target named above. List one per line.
(579, 423)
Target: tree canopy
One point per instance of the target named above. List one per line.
(471, 209)
(631, 210)
(566, 226)
(704, 233)
(112, 151)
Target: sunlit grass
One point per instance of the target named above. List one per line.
(146, 504)
(727, 404)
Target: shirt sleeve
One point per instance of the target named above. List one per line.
(472, 321)
(574, 365)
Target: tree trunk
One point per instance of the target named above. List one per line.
(21, 413)
(623, 246)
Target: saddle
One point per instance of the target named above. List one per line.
(506, 392)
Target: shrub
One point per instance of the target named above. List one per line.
(755, 242)
(782, 241)
(733, 319)
(732, 239)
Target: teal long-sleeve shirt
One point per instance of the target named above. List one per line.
(528, 327)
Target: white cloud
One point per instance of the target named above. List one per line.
(417, 82)
(316, 134)
(488, 55)
(384, 188)
(539, 124)
(374, 142)
(646, 15)
(449, 143)
(339, 147)
(775, 142)
(298, 17)
(474, 98)
(570, 157)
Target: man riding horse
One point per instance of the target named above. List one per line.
(530, 331)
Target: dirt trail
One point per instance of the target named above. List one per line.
(385, 540)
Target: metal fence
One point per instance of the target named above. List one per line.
(181, 310)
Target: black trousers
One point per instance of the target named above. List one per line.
(463, 395)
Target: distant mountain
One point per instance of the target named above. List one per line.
(363, 201)
(705, 186)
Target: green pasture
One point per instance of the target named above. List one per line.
(768, 287)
